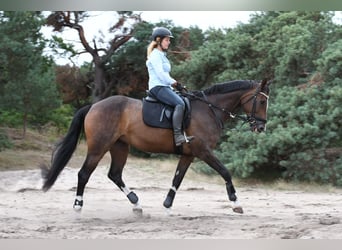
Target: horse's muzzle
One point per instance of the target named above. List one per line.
(258, 127)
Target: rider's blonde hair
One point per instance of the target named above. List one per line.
(152, 45)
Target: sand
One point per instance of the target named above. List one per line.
(201, 209)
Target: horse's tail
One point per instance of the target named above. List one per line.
(64, 149)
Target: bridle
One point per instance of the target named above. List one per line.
(252, 119)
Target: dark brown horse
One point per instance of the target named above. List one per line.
(115, 123)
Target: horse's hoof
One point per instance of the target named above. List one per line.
(238, 210)
(168, 211)
(77, 208)
(168, 202)
(78, 205)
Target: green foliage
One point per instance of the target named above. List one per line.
(278, 45)
(330, 62)
(237, 56)
(59, 46)
(61, 117)
(4, 140)
(207, 62)
(34, 97)
(11, 118)
(28, 87)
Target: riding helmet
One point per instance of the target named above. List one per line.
(161, 32)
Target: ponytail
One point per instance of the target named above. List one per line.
(151, 46)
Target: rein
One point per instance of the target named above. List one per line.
(213, 107)
(251, 119)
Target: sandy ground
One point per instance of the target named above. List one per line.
(201, 209)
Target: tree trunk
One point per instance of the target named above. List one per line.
(98, 86)
(24, 124)
(101, 88)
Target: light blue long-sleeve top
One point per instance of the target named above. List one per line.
(159, 68)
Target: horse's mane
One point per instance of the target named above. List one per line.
(226, 87)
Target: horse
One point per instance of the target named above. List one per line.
(115, 123)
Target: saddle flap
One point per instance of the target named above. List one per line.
(159, 115)
(154, 114)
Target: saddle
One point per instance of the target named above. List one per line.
(159, 115)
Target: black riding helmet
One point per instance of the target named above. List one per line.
(161, 32)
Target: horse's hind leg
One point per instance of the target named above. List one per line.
(87, 169)
(119, 153)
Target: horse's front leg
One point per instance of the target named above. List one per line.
(216, 164)
(182, 167)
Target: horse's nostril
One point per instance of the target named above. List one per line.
(261, 129)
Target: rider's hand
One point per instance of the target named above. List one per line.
(178, 86)
(175, 85)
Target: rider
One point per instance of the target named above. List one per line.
(160, 82)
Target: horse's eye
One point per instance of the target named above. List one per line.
(263, 102)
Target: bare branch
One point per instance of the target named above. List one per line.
(61, 19)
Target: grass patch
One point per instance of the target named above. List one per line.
(28, 152)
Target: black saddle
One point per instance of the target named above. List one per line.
(159, 115)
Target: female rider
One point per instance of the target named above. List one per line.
(161, 84)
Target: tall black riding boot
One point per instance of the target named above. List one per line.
(177, 120)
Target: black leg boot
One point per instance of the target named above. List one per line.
(177, 120)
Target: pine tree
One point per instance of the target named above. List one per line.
(28, 86)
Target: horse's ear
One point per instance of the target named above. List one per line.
(263, 83)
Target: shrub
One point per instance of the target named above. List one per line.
(4, 140)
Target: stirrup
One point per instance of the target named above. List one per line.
(188, 138)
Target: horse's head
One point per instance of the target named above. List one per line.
(255, 104)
